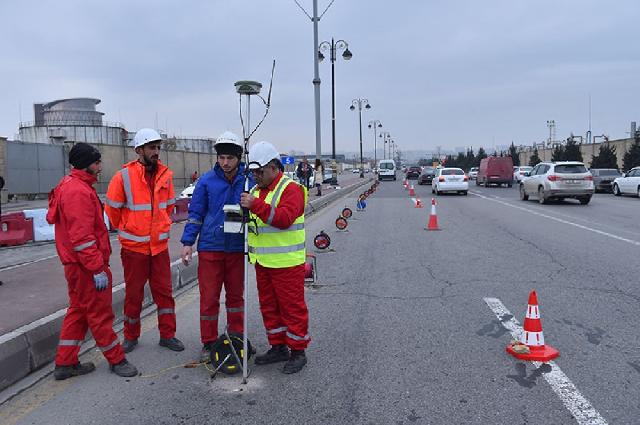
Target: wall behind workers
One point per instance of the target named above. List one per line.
(182, 163)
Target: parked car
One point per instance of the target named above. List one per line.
(187, 192)
(603, 178)
(519, 172)
(355, 171)
(386, 169)
(450, 180)
(558, 180)
(628, 184)
(495, 170)
(413, 172)
(473, 173)
(427, 175)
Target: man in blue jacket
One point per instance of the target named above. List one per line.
(220, 254)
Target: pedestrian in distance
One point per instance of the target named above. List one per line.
(277, 248)
(220, 254)
(82, 243)
(304, 172)
(140, 199)
(194, 177)
(318, 176)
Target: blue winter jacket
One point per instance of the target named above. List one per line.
(206, 218)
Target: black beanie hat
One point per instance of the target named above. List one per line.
(82, 155)
(229, 149)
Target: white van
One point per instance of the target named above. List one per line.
(386, 169)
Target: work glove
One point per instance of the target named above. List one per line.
(101, 281)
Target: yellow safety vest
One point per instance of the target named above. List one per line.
(273, 247)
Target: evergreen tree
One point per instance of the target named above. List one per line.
(461, 160)
(534, 159)
(606, 157)
(481, 155)
(450, 161)
(423, 162)
(513, 152)
(632, 156)
(470, 159)
(558, 153)
(572, 151)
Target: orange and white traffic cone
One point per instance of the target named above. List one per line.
(531, 345)
(412, 191)
(418, 203)
(433, 217)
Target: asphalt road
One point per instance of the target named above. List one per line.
(401, 330)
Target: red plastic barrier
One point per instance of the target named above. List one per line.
(181, 210)
(15, 229)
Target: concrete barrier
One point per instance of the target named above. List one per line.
(42, 230)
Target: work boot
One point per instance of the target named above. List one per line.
(124, 369)
(296, 362)
(277, 353)
(172, 344)
(205, 354)
(63, 372)
(129, 344)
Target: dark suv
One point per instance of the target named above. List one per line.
(413, 172)
(603, 178)
(426, 177)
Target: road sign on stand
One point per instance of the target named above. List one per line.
(287, 160)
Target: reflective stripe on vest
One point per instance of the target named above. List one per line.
(165, 311)
(163, 236)
(130, 320)
(82, 246)
(272, 247)
(114, 204)
(129, 236)
(297, 338)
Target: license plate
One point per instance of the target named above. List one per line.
(454, 179)
(573, 181)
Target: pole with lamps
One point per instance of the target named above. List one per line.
(333, 48)
(375, 124)
(385, 136)
(360, 103)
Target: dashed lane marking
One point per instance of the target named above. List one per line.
(560, 220)
(573, 400)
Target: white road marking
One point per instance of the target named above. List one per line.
(574, 401)
(559, 220)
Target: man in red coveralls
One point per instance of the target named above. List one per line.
(82, 242)
(276, 246)
(139, 203)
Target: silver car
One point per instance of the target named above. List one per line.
(558, 180)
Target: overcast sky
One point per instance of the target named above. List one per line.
(436, 73)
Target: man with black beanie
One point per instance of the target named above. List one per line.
(220, 254)
(82, 242)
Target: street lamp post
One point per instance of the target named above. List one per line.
(333, 47)
(360, 103)
(385, 135)
(375, 124)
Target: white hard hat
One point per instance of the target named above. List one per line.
(144, 136)
(228, 137)
(261, 153)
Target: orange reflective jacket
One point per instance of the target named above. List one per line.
(143, 219)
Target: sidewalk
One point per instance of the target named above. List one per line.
(33, 298)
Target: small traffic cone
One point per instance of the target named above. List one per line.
(418, 203)
(433, 217)
(531, 345)
(412, 191)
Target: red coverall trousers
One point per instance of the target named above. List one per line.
(216, 269)
(138, 269)
(88, 309)
(284, 311)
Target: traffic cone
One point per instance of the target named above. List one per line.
(531, 345)
(433, 217)
(412, 191)
(418, 203)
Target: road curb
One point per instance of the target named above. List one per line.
(31, 347)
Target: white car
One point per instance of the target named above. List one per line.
(557, 181)
(473, 173)
(450, 180)
(519, 172)
(629, 184)
(188, 191)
